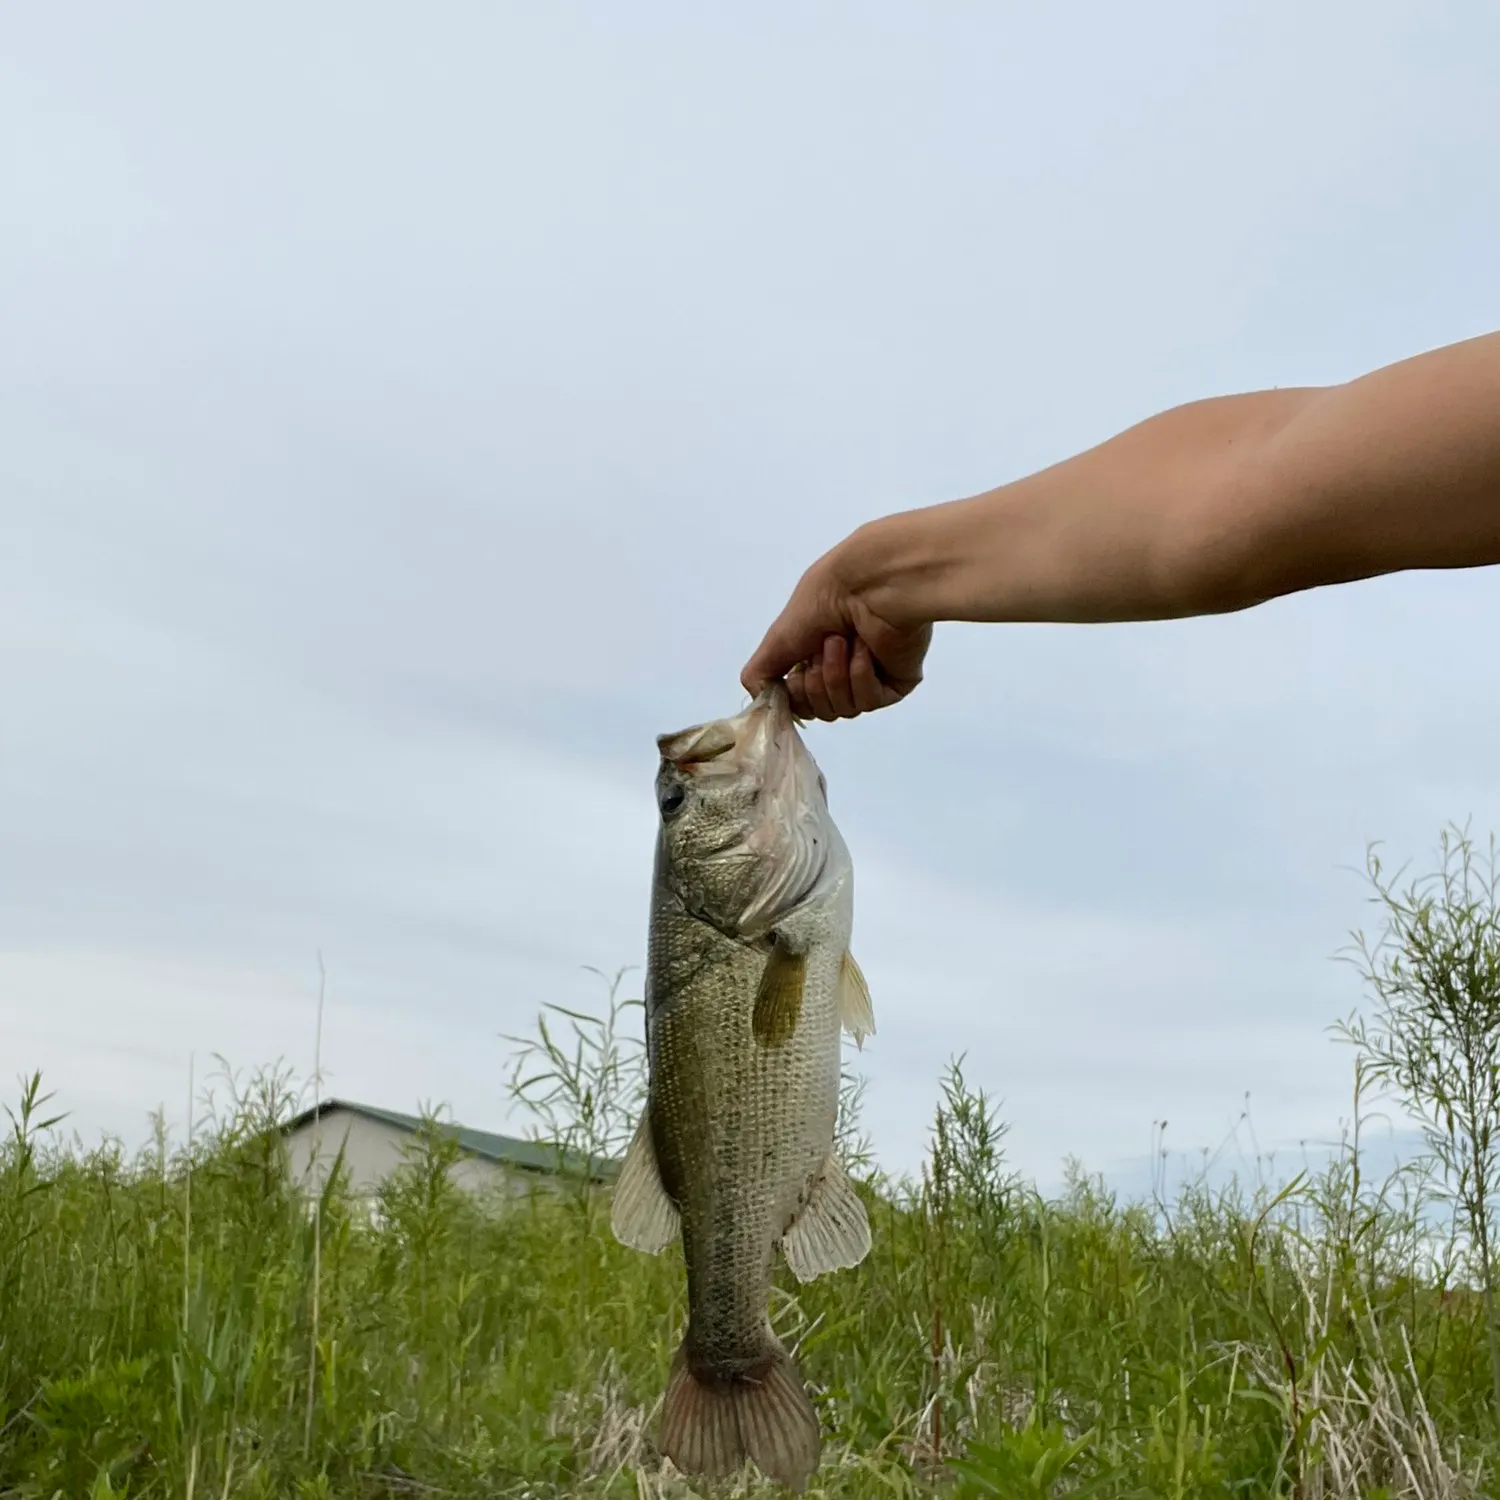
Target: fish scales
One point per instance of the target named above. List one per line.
(739, 1128)
(749, 982)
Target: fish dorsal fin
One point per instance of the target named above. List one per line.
(778, 999)
(642, 1215)
(855, 1009)
(831, 1231)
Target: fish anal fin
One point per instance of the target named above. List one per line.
(855, 1009)
(778, 999)
(710, 1425)
(831, 1231)
(642, 1213)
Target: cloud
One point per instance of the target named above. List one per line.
(399, 428)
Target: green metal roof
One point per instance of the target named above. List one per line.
(527, 1156)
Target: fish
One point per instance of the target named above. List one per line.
(749, 981)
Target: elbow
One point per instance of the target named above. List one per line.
(1238, 545)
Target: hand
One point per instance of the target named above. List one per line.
(839, 657)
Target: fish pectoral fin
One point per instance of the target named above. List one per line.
(643, 1215)
(778, 999)
(831, 1231)
(855, 1009)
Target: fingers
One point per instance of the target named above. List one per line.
(843, 680)
(796, 690)
(826, 687)
(838, 659)
(865, 686)
(815, 685)
(837, 654)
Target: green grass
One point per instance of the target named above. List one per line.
(181, 1324)
(187, 1323)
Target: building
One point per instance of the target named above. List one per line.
(377, 1141)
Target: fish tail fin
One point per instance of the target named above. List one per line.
(710, 1424)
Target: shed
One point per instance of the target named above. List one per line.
(377, 1141)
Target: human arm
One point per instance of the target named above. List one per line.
(1204, 509)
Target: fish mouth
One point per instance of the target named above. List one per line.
(761, 731)
(788, 840)
(760, 743)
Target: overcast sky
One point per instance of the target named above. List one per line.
(408, 412)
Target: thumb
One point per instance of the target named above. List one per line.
(794, 637)
(773, 659)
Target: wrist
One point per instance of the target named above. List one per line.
(901, 567)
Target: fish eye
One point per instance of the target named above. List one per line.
(672, 799)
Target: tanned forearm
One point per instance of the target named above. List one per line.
(1216, 506)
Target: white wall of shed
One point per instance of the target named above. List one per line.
(373, 1149)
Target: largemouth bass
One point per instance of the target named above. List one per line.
(749, 980)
